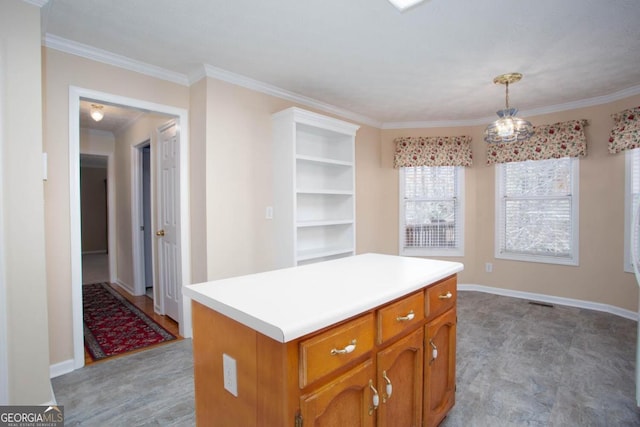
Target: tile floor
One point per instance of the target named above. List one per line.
(517, 365)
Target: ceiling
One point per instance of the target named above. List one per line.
(115, 118)
(432, 64)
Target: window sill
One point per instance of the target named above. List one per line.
(429, 252)
(573, 262)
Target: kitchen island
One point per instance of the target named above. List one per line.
(365, 340)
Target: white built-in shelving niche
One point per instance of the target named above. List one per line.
(314, 187)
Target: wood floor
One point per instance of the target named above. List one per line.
(145, 304)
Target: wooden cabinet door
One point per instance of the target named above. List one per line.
(400, 367)
(440, 371)
(345, 401)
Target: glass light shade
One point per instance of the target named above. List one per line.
(96, 112)
(508, 128)
(402, 5)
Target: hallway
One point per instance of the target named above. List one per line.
(95, 269)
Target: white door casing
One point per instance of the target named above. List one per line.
(75, 93)
(168, 233)
(138, 221)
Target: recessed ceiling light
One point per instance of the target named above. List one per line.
(403, 5)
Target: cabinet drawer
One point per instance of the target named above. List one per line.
(400, 316)
(440, 298)
(334, 348)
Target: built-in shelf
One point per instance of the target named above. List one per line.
(314, 187)
(326, 191)
(324, 160)
(323, 253)
(302, 224)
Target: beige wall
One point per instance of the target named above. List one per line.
(22, 206)
(239, 180)
(93, 204)
(231, 175)
(599, 277)
(198, 176)
(96, 142)
(60, 71)
(238, 177)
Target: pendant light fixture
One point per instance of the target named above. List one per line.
(403, 5)
(508, 128)
(96, 112)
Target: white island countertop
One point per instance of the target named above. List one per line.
(292, 302)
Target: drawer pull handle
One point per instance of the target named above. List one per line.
(388, 388)
(348, 349)
(375, 400)
(406, 318)
(448, 295)
(434, 351)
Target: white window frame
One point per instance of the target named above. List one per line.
(457, 251)
(573, 260)
(628, 206)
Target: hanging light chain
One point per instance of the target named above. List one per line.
(507, 94)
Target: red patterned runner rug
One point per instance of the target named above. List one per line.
(112, 325)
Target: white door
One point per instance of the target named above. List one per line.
(168, 236)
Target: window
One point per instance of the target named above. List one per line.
(632, 199)
(537, 211)
(431, 210)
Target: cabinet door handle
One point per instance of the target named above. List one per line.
(388, 388)
(410, 316)
(348, 349)
(375, 400)
(448, 295)
(434, 351)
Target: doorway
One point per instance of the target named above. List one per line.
(142, 197)
(181, 116)
(94, 208)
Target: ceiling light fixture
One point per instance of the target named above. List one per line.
(403, 5)
(96, 112)
(508, 128)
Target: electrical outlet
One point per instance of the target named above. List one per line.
(268, 213)
(230, 374)
(488, 267)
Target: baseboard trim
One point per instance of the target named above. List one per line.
(61, 368)
(627, 314)
(52, 402)
(125, 286)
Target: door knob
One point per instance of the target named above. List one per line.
(160, 233)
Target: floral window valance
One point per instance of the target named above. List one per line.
(564, 139)
(625, 134)
(432, 151)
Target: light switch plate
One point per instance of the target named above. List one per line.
(230, 374)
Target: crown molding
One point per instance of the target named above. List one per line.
(258, 86)
(583, 103)
(106, 57)
(435, 124)
(574, 105)
(39, 3)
